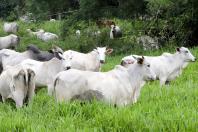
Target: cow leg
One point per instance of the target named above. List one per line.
(50, 90)
(162, 81)
(135, 96)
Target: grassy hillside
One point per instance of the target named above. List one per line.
(170, 108)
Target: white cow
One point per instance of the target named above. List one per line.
(169, 66)
(18, 84)
(45, 36)
(120, 86)
(46, 71)
(91, 61)
(10, 41)
(10, 27)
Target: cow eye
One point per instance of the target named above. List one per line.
(148, 65)
(186, 51)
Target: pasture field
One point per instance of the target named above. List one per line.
(170, 108)
(167, 108)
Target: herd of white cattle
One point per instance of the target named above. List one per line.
(70, 75)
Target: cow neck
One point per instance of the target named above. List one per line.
(175, 61)
(135, 75)
(54, 64)
(95, 56)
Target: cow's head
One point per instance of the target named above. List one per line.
(66, 59)
(102, 52)
(186, 54)
(145, 69)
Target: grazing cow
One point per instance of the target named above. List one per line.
(46, 71)
(18, 84)
(11, 58)
(91, 61)
(115, 32)
(10, 41)
(120, 86)
(10, 27)
(169, 66)
(45, 36)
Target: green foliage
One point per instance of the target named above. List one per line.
(134, 8)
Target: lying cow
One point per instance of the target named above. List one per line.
(120, 86)
(18, 84)
(91, 61)
(10, 41)
(169, 66)
(10, 27)
(45, 36)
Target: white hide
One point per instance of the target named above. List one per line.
(17, 83)
(11, 57)
(10, 27)
(91, 61)
(120, 86)
(10, 41)
(169, 66)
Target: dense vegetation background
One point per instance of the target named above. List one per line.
(174, 22)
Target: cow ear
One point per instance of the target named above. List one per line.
(56, 49)
(140, 60)
(178, 49)
(59, 56)
(109, 51)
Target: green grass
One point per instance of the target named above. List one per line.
(170, 108)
